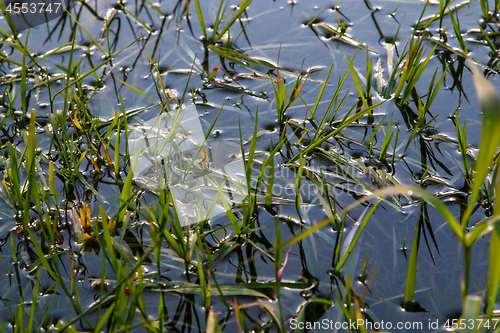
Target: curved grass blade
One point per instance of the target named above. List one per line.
(409, 190)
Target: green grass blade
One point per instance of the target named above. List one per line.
(346, 122)
(490, 105)
(136, 90)
(494, 265)
(359, 89)
(343, 260)
(320, 94)
(200, 18)
(411, 274)
(234, 18)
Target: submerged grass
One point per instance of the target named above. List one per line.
(158, 271)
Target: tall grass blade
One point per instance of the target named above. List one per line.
(236, 15)
(411, 274)
(494, 265)
(490, 105)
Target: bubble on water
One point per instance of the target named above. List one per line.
(306, 294)
(409, 192)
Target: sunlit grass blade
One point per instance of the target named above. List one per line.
(494, 265)
(490, 139)
(493, 269)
